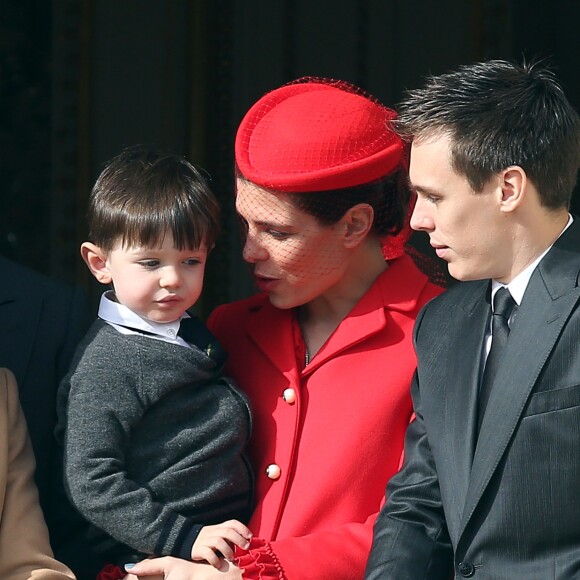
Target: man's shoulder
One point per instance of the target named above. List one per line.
(457, 294)
(26, 280)
(24, 272)
(47, 318)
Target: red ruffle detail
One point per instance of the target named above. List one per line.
(259, 562)
(111, 572)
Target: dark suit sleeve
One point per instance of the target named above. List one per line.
(77, 322)
(410, 539)
(42, 322)
(68, 530)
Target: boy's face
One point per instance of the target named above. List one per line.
(157, 283)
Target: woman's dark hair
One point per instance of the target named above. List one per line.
(389, 197)
(143, 193)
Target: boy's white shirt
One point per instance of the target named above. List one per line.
(125, 321)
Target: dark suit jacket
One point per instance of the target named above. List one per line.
(511, 507)
(41, 323)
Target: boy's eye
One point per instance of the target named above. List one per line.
(192, 261)
(149, 263)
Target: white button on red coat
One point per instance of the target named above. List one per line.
(273, 471)
(289, 395)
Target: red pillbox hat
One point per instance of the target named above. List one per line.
(316, 135)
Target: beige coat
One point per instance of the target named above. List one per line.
(24, 548)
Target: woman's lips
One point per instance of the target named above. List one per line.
(264, 283)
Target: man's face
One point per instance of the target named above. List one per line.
(467, 229)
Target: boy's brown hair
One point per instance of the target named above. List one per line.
(142, 193)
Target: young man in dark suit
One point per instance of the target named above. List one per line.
(490, 484)
(41, 323)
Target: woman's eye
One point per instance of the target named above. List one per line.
(278, 235)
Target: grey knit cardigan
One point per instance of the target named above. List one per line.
(154, 441)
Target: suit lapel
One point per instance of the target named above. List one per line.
(551, 295)
(461, 382)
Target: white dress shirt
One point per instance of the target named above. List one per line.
(517, 286)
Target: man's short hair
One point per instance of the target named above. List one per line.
(498, 114)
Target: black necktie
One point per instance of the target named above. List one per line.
(503, 304)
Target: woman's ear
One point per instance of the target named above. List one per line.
(96, 260)
(358, 222)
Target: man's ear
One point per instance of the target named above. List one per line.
(357, 221)
(96, 260)
(513, 184)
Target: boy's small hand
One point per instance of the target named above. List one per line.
(219, 540)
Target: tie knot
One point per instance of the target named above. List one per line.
(503, 303)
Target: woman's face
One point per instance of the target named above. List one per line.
(294, 258)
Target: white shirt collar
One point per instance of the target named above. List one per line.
(518, 285)
(120, 316)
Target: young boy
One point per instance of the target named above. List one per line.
(154, 435)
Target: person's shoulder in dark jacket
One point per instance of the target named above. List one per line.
(42, 320)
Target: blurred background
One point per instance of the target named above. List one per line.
(80, 79)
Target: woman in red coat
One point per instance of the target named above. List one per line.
(325, 350)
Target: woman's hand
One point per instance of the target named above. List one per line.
(218, 540)
(168, 568)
